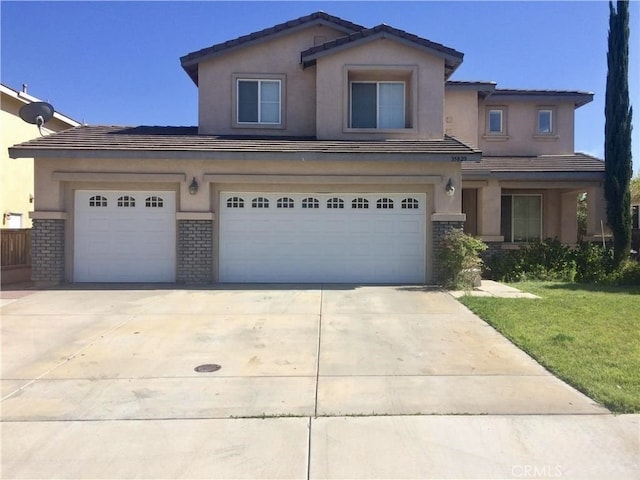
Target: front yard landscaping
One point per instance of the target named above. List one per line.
(587, 335)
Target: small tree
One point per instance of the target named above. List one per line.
(617, 148)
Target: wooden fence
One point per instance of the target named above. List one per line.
(15, 247)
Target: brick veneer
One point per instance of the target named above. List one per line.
(195, 251)
(440, 229)
(47, 250)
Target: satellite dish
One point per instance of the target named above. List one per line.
(37, 113)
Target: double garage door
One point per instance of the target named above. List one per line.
(122, 236)
(351, 238)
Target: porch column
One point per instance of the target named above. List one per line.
(489, 206)
(596, 211)
(569, 218)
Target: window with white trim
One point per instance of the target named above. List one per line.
(384, 203)
(235, 202)
(285, 202)
(126, 201)
(310, 203)
(377, 105)
(335, 203)
(521, 218)
(260, 202)
(98, 201)
(258, 101)
(545, 122)
(154, 202)
(496, 121)
(410, 204)
(360, 203)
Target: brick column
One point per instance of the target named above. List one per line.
(195, 251)
(47, 250)
(440, 230)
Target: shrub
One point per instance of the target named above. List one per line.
(627, 274)
(461, 259)
(546, 260)
(594, 263)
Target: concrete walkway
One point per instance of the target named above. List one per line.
(489, 288)
(333, 382)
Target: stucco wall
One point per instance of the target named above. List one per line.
(276, 56)
(521, 121)
(461, 115)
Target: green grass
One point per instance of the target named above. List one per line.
(589, 336)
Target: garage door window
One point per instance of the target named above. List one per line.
(410, 204)
(360, 203)
(310, 203)
(260, 202)
(235, 202)
(384, 203)
(285, 202)
(126, 201)
(154, 202)
(98, 201)
(335, 203)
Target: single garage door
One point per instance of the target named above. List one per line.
(124, 236)
(332, 238)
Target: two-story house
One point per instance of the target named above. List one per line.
(325, 151)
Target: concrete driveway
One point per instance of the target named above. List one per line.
(315, 382)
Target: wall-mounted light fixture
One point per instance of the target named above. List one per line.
(31, 198)
(5, 217)
(449, 188)
(193, 188)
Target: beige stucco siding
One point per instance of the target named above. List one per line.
(384, 55)
(278, 56)
(521, 137)
(461, 115)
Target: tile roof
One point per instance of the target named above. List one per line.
(452, 57)
(544, 167)
(185, 142)
(190, 61)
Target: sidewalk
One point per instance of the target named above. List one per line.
(489, 288)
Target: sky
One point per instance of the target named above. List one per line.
(118, 62)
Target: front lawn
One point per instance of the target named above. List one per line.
(589, 336)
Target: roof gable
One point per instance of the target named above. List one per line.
(190, 61)
(452, 57)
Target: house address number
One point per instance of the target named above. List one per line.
(458, 158)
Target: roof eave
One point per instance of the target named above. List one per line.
(160, 154)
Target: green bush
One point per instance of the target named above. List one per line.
(549, 260)
(546, 260)
(461, 259)
(594, 263)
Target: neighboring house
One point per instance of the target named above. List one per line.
(16, 180)
(324, 152)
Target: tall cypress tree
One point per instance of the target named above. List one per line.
(617, 130)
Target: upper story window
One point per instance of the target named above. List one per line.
(545, 122)
(258, 102)
(496, 121)
(377, 105)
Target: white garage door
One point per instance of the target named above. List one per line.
(124, 236)
(333, 238)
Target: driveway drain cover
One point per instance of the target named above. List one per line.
(207, 367)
